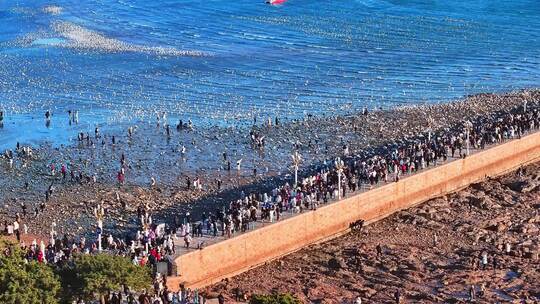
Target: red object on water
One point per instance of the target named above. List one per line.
(276, 2)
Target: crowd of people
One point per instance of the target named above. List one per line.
(387, 164)
(153, 246)
(155, 243)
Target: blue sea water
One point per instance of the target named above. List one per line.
(226, 61)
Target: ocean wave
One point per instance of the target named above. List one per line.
(78, 37)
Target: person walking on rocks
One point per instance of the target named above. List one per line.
(63, 170)
(187, 240)
(121, 176)
(221, 299)
(507, 248)
(397, 297)
(16, 230)
(238, 165)
(484, 260)
(188, 183)
(482, 290)
(471, 293)
(183, 151)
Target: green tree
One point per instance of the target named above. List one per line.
(274, 299)
(25, 282)
(91, 276)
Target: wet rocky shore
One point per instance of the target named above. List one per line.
(175, 156)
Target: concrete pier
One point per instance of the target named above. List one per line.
(230, 257)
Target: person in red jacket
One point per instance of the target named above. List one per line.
(64, 171)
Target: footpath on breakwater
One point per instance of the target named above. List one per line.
(227, 258)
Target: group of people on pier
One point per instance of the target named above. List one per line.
(386, 164)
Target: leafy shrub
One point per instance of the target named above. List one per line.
(274, 299)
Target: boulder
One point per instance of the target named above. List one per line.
(368, 292)
(533, 255)
(336, 263)
(523, 186)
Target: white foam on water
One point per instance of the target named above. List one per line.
(27, 11)
(53, 9)
(79, 37)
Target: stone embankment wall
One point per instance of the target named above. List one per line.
(225, 259)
